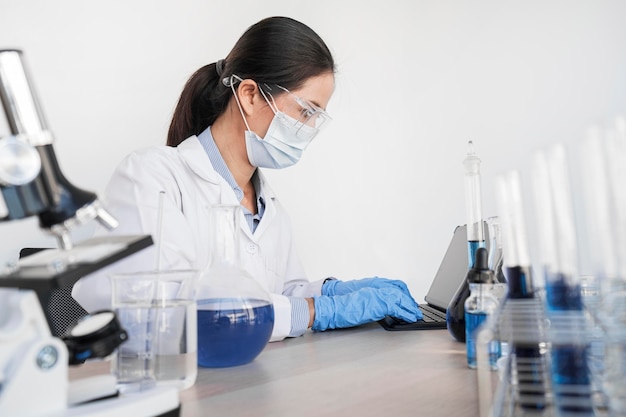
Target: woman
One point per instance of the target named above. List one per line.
(257, 108)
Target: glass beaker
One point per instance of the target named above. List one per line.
(235, 314)
(157, 309)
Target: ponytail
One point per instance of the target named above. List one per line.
(203, 99)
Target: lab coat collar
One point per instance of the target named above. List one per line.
(195, 157)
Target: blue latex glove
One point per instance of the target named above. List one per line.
(338, 287)
(363, 306)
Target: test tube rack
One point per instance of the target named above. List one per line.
(523, 384)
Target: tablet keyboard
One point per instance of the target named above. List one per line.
(432, 314)
(433, 319)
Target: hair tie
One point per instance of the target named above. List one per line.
(219, 67)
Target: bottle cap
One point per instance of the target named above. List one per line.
(480, 272)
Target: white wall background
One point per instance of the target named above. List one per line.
(380, 191)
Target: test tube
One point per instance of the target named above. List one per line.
(599, 211)
(556, 224)
(455, 313)
(613, 287)
(615, 142)
(555, 219)
(522, 320)
(599, 220)
(516, 258)
(473, 204)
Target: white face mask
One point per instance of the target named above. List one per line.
(283, 143)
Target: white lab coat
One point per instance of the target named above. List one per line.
(191, 184)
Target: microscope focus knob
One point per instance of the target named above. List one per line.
(20, 162)
(95, 336)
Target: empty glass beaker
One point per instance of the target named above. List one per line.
(235, 314)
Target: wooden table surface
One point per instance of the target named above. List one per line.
(363, 371)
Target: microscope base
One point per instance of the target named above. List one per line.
(34, 372)
(161, 402)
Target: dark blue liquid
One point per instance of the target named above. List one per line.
(561, 296)
(231, 333)
(472, 322)
(570, 370)
(520, 282)
(455, 313)
(531, 372)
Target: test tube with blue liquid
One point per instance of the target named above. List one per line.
(557, 227)
(522, 310)
(455, 313)
(473, 204)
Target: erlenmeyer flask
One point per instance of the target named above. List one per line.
(235, 314)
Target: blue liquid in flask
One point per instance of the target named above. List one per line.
(232, 333)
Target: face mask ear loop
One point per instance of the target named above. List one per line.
(232, 87)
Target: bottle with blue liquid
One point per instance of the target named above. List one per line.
(235, 314)
(480, 304)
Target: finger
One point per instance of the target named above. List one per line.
(399, 305)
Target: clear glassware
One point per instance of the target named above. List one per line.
(496, 259)
(602, 155)
(528, 365)
(455, 313)
(571, 378)
(235, 314)
(480, 304)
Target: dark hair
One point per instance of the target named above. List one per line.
(276, 50)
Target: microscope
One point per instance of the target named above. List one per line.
(34, 355)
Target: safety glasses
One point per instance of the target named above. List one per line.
(305, 117)
(301, 111)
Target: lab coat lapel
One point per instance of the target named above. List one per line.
(192, 152)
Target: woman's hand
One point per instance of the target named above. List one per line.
(363, 306)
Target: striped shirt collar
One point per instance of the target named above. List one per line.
(219, 165)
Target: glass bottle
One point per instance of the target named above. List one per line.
(235, 314)
(480, 304)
